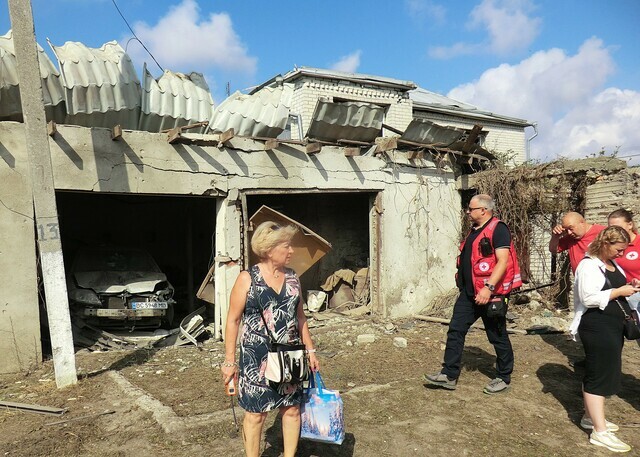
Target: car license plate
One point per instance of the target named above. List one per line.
(149, 305)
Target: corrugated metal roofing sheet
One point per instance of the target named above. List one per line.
(357, 121)
(102, 88)
(263, 114)
(424, 99)
(174, 100)
(52, 91)
(427, 132)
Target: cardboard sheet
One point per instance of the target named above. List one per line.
(309, 247)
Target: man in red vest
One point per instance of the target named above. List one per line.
(487, 272)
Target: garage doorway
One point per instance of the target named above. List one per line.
(177, 231)
(347, 220)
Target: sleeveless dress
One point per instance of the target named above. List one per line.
(602, 338)
(280, 313)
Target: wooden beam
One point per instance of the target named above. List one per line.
(227, 135)
(116, 132)
(51, 128)
(313, 148)
(358, 143)
(271, 144)
(174, 135)
(351, 152)
(471, 139)
(392, 129)
(188, 127)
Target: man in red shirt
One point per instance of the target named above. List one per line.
(630, 260)
(574, 235)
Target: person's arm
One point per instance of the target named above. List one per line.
(502, 260)
(237, 303)
(556, 235)
(589, 280)
(305, 334)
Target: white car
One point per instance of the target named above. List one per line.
(122, 287)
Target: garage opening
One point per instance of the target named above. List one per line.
(177, 233)
(341, 218)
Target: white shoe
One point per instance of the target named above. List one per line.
(608, 440)
(587, 424)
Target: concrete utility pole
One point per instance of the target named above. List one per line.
(44, 199)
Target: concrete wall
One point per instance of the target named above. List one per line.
(20, 346)
(419, 223)
(504, 139)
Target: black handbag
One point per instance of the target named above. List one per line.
(631, 331)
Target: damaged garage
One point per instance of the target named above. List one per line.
(183, 184)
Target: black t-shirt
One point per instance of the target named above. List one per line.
(501, 239)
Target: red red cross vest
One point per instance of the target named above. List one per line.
(482, 267)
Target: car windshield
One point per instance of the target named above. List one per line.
(114, 260)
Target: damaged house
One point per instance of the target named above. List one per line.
(368, 163)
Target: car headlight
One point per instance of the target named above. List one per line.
(85, 297)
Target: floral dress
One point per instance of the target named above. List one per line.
(280, 313)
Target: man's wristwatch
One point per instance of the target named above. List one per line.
(491, 287)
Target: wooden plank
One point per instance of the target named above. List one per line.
(227, 135)
(351, 152)
(33, 408)
(51, 128)
(471, 139)
(116, 132)
(187, 127)
(173, 135)
(313, 148)
(439, 320)
(359, 143)
(271, 144)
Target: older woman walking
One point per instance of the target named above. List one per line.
(269, 293)
(599, 284)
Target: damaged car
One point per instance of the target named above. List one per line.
(119, 287)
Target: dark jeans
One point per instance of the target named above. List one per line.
(465, 313)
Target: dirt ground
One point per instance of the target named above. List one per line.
(171, 402)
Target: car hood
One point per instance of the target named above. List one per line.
(114, 282)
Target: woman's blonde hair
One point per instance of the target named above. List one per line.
(268, 235)
(610, 235)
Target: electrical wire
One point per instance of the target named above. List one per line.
(135, 36)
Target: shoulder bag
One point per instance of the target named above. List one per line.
(286, 363)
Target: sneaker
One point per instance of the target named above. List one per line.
(609, 440)
(496, 386)
(587, 424)
(441, 380)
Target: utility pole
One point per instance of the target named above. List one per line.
(43, 191)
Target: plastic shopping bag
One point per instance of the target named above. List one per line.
(322, 415)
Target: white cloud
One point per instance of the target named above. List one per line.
(182, 38)
(508, 24)
(348, 63)
(426, 10)
(565, 94)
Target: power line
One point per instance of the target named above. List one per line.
(135, 36)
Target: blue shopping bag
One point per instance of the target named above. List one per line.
(321, 413)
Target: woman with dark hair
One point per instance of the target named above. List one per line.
(266, 299)
(599, 284)
(630, 261)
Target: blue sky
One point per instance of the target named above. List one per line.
(571, 66)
